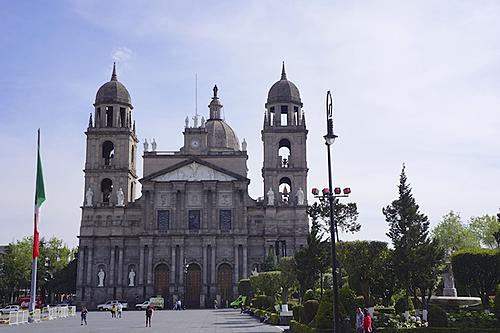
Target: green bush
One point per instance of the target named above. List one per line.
(308, 295)
(263, 302)
(324, 315)
(310, 310)
(497, 303)
(298, 312)
(296, 327)
(437, 317)
(244, 287)
(347, 299)
(436, 330)
(399, 306)
(467, 318)
(274, 318)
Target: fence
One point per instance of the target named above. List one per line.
(48, 313)
(18, 317)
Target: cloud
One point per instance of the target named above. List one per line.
(121, 54)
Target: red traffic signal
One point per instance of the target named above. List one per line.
(337, 190)
(326, 191)
(315, 191)
(347, 190)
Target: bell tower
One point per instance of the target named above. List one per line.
(110, 166)
(284, 136)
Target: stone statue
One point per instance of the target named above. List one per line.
(300, 196)
(270, 197)
(146, 145)
(101, 276)
(244, 145)
(153, 145)
(186, 121)
(195, 121)
(120, 198)
(131, 278)
(202, 122)
(88, 197)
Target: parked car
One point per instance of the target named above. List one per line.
(9, 308)
(237, 302)
(109, 304)
(143, 306)
(155, 302)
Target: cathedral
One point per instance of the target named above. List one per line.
(194, 231)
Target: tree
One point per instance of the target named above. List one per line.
(288, 276)
(484, 227)
(267, 283)
(346, 215)
(479, 270)
(270, 264)
(408, 230)
(452, 234)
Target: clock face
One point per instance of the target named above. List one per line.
(195, 143)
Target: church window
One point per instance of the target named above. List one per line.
(109, 116)
(295, 115)
(284, 152)
(285, 188)
(98, 117)
(106, 189)
(284, 115)
(225, 219)
(108, 152)
(122, 117)
(163, 219)
(194, 219)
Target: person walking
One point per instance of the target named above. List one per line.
(83, 316)
(359, 320)
(367, 322)
(120, 309)
(149, 314)
(113, 311)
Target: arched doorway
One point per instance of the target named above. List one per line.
(225, 284)
(193, 287)
(161, 281)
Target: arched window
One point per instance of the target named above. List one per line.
(109, 116)
(284, 152)
(106, 189)
(108, 152)
(285, 188)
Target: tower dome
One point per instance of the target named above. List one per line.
(113, 92)
(220, 135)
(284, 91)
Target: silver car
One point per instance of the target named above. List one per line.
(9, 308)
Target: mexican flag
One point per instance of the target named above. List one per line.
(39, 198)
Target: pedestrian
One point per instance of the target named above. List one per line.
(367, 322)
(359, 320)
(178, 305)
(215, 304)
(120, 309)
(113, 311)
(149, 314)
(84, 316)
(242, 308)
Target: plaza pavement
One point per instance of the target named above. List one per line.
(186, 321)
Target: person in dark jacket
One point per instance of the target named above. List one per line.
(84, 315)
(149, 314)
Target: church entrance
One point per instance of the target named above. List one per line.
(225, 284)
(193, 287)
(161, 281)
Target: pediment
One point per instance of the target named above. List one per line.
(193, 172)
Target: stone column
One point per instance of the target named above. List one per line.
(81, 264)
(141, 264)
(245, 263)
(236, 265)
(214, 253)
(181, 264)
(89, 267)
(204, 265)
(172, 265)
(150, 264)
(111, 281)
(120, 266)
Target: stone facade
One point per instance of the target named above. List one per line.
(194, 231)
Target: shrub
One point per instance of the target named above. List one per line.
(274, 318)
(437, 317)
(263, 302)
(298, 312)
(310, 309)
(244, 287)
(296, 327)
(497, 303)
(324, 315)
(348, 302)
(309, 294)
(399, 306)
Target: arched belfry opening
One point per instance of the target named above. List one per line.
(108, 152)
(106, 189)
(285, 188)
(284, 151)
(109, 116)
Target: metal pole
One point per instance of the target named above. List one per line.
(32, 304)
(331, 200)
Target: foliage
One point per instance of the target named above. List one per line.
(346, 215)
(402, 304)
(324, 315)
(263, 302)
(365, 263)
(298, 312)
(466, 319)
(309, 294)
(478, 269)
(270, 264)
(267, 283)
(452, 234)
(484, 227)
(310, 309)
(437, 317)
(244, 287)
(288, 276)
(497, 303)
(408, 230)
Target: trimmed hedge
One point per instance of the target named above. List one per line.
(437, 330)
(309, 294)
(310, 310)
(298, 313)
(437, 317)
(497, 303)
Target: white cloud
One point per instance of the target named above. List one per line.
(121, 54)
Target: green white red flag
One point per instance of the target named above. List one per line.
(39, 198)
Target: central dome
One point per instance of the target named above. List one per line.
(221, 136)
(113, 92)
(284, 91)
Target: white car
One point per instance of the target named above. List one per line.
(142, 306)
(109, 304)
(10, 308)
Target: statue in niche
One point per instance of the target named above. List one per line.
(120, 198)
(203, 122)
(146, 145)
(270, 197)
(88, 197)
(300, 196)
(244, 145)
(101, 275)
(153, 145)
(186, 121)
(131, 278)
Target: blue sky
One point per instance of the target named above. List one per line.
(413, 81)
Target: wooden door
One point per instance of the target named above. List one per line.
(161, 281)
(225, 284)
(193, 287)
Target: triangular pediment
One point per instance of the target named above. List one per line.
(193, 172)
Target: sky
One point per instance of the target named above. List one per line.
(414, 82)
